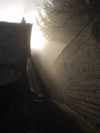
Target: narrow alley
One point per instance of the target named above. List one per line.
(38, 111)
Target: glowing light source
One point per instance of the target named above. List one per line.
(12, 14)
(36, 38)
(15, 14)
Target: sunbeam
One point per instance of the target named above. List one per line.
(36, 38)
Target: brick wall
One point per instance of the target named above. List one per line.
(78, 74)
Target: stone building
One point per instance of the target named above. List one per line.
(14, 51)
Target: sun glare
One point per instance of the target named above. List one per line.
(12, 14)
(15, 14)
(36, 38)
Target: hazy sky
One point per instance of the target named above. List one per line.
(14, 10)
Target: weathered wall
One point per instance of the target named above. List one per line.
(8, 80)
(78, 75)
(14, 48)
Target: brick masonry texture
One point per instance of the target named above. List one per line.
(77, 70)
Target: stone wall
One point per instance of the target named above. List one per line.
(78, 74)
(14, 49)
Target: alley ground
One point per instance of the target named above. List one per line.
(41, 113)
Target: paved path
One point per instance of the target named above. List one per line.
(39, 114)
